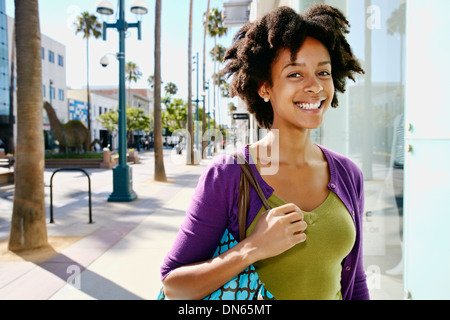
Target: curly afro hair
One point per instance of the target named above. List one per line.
(249, 59)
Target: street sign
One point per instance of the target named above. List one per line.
(240, 116)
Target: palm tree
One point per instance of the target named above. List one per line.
(171, 89)
(205, 32)
(132, 74)
(160, 172)
(28, 224)
(89, 26)
(190, 124)
(215, 29)
(397, 24)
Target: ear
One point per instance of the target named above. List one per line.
(263, 90)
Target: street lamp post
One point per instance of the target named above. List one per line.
(122, 173)
(50, 83)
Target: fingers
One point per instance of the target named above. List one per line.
(299, 237)
(286, 209)
(292, 216)
(278, 230)
(289, 212)
(297, 231)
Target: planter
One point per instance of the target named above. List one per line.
(73, 163)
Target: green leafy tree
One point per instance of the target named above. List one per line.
(175, 115)
(110, 121)
(136, 121)
(88, 25)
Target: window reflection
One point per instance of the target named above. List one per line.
(368, 127)
(374, 107)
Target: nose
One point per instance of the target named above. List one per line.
(313, 85)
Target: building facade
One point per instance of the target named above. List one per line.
(366, 128)
(134, 98)
(100, 104)
(53, 54)
(6, 116)
(393, 123)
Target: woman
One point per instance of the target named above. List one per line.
(287, 68)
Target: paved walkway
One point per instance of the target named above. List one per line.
(117, 257)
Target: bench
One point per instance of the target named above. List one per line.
(6, 163)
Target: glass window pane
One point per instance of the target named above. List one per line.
(374, 110)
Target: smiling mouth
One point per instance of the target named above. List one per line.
(310, 106)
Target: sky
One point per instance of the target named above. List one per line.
(57, 17)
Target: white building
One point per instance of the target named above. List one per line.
(134, 98)
(100, 104)
(53, 55)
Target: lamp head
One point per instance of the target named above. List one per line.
(104, 7)
(139, 7)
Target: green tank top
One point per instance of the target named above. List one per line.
(311, 270)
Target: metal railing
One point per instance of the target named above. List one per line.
(51, 192)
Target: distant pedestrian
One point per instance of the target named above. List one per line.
(287, 68)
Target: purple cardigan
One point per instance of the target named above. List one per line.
(214, 208)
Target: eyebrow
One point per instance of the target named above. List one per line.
(296, 64)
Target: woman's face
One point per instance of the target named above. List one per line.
(301, 90)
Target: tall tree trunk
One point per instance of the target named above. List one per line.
(28, 225)
(205, 31)
(214, 81)
(190, 143)
(88, 89)
(160, 173)
(367, 162)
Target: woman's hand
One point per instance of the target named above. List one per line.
(277, 231)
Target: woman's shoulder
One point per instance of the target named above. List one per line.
(340, 163)
(223, 170)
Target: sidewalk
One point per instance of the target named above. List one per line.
(117, 257)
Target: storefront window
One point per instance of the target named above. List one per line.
(372, 111)
(368, 127)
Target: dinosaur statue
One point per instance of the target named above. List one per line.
(71, 136)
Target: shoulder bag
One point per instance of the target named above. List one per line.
(246, 285)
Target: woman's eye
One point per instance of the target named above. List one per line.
(324, 73)
(294, 75)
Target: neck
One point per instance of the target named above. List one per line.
(289, 147)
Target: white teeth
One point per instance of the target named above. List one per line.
(309, 106)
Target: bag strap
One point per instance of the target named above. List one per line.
(247, 177)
